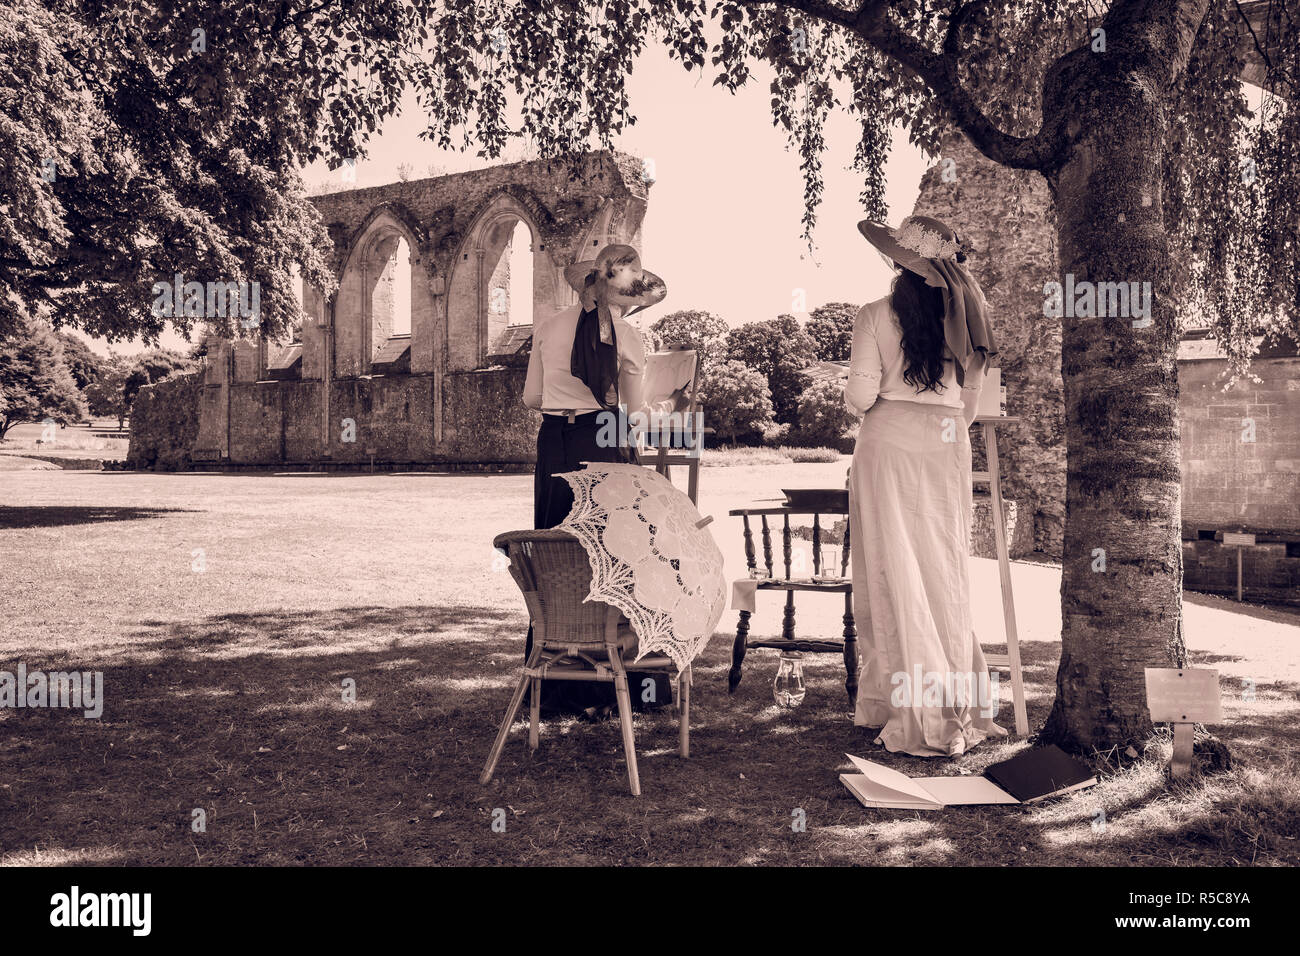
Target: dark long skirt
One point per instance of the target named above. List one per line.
(563, 446)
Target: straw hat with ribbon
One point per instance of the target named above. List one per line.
(614, 277)
(932, 250)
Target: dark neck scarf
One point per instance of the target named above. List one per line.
(595, 361)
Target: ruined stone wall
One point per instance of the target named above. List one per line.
(1009, 220)
(449, 408)
(165, 423)
(1241, 447)
(487, 420)
(457, 227)
(386, 418)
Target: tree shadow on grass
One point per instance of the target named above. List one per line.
(245, 718)
(53, 516)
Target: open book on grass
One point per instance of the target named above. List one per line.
(1029, 776)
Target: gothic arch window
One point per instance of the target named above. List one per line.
(498, 280)
(373, 315)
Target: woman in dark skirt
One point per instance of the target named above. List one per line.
(587, 364)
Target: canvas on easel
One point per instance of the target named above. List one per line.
(668, 372)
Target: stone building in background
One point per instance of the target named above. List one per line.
(413, 360)
(1241, 470)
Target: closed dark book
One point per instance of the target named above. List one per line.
(1040, 772)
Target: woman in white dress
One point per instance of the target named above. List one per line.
(919, 359)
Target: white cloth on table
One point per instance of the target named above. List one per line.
(743, 595)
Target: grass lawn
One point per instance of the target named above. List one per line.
(224, 693)
(86, 443)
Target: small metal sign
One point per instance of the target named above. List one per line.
(1184, 695)
(1238, 539)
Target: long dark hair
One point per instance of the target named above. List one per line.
(919, 308)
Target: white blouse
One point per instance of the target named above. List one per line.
(877, 363)
(551, 388)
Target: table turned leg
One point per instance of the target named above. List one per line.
(850, 651)
(738, 652)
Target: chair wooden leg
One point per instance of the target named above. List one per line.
(534, 713)
(684, 731)
(625, 720)
(504, 732)
(738, 652)
(850, 652)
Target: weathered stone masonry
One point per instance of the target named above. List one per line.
(431, 396)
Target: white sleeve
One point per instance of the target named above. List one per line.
(533, 377)
(864, 363)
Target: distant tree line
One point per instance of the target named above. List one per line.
(49, 374)
(756, 381)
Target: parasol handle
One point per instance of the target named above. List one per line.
(703, 521)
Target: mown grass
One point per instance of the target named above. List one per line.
(766, 455)
(225, 693)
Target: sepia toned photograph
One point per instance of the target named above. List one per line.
(649, 434)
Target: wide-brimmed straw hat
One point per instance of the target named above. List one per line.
(615, 277)
(932, 250)
(916, 241)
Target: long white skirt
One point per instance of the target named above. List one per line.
(923, 681)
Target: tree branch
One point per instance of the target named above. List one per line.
(939, 73)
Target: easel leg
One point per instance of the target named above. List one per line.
(1004, 572)
(684, 718)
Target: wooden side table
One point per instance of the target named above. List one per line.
(848, 646)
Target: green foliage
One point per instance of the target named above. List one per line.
(818, 455)
(154, 366)
(1232, 195)
(35, 384)
(927, 68)
(171, 158)
(81, 361)
(175, 152)
(702, 331)
(824, 418)
(831, 328)
(106, 396)
(779, 350)
(736, 402)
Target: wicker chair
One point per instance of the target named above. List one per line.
(574, 639)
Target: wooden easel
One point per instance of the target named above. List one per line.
(663, 456)
(1011, 659)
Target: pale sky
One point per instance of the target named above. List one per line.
(723, 221)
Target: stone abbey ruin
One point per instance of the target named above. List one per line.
(366, 383)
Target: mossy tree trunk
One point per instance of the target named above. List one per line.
(1121, 586)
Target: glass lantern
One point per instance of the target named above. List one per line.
(788, 688)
